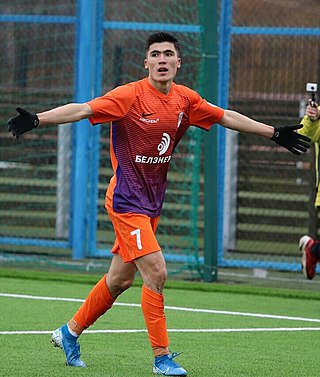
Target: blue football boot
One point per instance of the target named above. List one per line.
(68, 343)
(165, 366)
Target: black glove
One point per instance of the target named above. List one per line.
(22, 123)
(288, 138)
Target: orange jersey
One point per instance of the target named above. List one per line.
(146, 127)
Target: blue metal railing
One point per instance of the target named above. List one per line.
(88, 63)
(227, 30)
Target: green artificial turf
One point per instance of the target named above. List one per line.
(217, 351)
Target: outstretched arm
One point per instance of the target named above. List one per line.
(72, 112)
(26, 121)
(238, 122)
(284, 136)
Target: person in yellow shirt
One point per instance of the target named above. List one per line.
(309, 247)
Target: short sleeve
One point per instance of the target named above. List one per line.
(203, 113)
(113, 105)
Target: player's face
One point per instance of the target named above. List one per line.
(162, 61)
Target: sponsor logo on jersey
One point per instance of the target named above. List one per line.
(162, 148)
(164, 144)
(141, 159)
(144, 115)
(144, 118)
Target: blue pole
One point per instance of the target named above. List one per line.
(95, 131)
(81, 131)
(225, 27)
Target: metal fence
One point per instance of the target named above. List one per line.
(53, 179)
(268, 193)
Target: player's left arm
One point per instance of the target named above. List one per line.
(241, 123)
(285, 136)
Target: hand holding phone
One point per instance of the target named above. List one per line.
(312, 88)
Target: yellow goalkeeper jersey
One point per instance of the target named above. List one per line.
(312, 129)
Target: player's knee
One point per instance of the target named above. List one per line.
(119, 286)
(125, 284)
(162, 280)
(162, 275)
(156, 279)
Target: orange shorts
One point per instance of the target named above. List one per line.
(135, 234)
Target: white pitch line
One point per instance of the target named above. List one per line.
(131, 331)
(177, 308)
(30, 297)
(257, 315)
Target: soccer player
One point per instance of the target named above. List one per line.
(148, 119)
(309, 247)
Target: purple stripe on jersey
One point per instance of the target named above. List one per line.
(133, 193)
(129, 197)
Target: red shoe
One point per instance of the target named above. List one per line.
(308, 259)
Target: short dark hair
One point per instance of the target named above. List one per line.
(162, 36)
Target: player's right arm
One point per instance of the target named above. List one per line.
(70, 113)
(26, 121)
(107, 108)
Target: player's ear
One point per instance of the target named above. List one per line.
(179, 63)
(145, 64)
